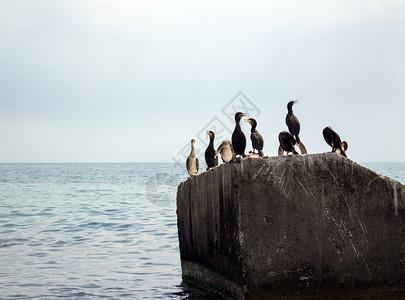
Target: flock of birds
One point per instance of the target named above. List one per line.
(235, 149)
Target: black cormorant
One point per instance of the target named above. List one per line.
(238, 137)
(333, 139)
(287, 142)
(210, 155)
(294, 126)
(256, 137)
(192, 162)
(226, 151)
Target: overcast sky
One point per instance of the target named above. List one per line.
(134, 81)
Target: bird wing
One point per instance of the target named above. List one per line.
(207, 154)
(221, 146)
(292, 139)
(233, 151)
(235, 137)
(238, 137)
(258, 141)
(293, 124)
(188, 163)
(327, 135)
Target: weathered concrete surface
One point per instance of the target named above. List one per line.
(290, 224)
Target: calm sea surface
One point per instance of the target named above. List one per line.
(94, 231)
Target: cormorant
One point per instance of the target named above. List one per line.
(238, 137)
(333, 139)
(287, 142)
(192, 162)
(210, 155)
(256, 137)
(226, 151)
(294, 126)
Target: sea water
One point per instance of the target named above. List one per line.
(93, 231)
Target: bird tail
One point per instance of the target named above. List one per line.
(280, 151)
(298, 139)
(261, 153)
(294, 152)
(302, 148)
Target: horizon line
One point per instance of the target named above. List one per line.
(134, 162)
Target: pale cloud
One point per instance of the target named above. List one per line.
(131, 71)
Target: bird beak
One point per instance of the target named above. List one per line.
(247, 121)
(296, 101)
(243, 115)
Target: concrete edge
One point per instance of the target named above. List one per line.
(207, 279)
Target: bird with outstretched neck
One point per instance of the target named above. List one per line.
(287, 142)
(294, 126)
(192, 162)
(238, 137)
(256, 137)
(210, 154)
(333, 139)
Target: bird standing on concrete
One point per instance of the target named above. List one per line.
(287, 142)
(333, 139)
(294, 126)
(192, 162)
(210, 154)
(238, 137)
(226, 151)
(256, 137)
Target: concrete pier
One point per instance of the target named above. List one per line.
(291, 225)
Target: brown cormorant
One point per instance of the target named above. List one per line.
(238, 137)
(226, 151)
(256, 137)
(294, 126)
(287, 142)
(192, 162)
(333, 139)
(210, 155)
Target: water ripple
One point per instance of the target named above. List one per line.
(86, 231)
